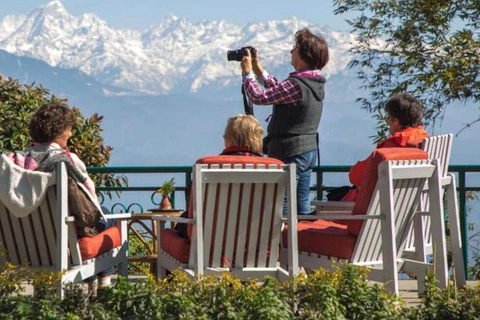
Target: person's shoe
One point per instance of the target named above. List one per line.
(93, 289)
(312, 213)
(105, 281)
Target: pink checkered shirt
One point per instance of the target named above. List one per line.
(275, 92)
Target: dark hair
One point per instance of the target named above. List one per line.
(50, 121)
(312, 49)
(406, 109)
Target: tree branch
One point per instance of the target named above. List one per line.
(467, 125)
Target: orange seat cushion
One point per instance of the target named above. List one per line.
(325, 238)
(91, 247)
(175, 246)
(370, 180)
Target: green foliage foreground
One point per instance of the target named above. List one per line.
(343, 294)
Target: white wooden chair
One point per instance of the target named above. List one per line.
(438, 147)
(419, 239)
(237, 221)
(47, 239)
(380, 243)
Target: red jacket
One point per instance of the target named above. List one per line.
(408, 137)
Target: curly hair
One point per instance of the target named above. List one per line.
(406, 109)
(50, 121)
(244, 131)
(312, 49)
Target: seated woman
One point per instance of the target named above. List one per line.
(404, 118)
(243, 136)
(50, 129)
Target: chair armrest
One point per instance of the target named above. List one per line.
(446, 180)
(119, 216)
(174, 219)
(70, 219)
(337, 215)
(333, 204)
(332, 213)
(348, 217)
(116, 216)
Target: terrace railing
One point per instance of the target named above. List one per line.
(318, 187)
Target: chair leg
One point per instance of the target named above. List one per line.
(123, 268)
(421, 282)
(60, 291)
(456, 238)
(161, 272)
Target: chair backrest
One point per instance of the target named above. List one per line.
(438, 147)
(241, 214)
(33, 239)
(396, 196)
(231, 160)
(362, 203)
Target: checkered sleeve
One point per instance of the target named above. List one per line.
(287, 91)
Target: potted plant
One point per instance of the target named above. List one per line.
(167, 188)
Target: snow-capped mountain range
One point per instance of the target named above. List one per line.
(172, 56)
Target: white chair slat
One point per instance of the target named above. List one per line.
(8, 235)
(52, 201)
(40, 238)
(232, 222)
(277, 222)
(19, 239)
(243, 223)
(208, 215)
(266, 224)
(31, 241)
(220, 225)
(255, 216)
(49, 229)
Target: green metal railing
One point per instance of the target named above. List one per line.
(319, 188)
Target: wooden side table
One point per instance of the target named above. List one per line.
(140, 218)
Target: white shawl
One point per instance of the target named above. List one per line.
(22, 191)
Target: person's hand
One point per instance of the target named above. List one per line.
(257, 67)
(246, 63)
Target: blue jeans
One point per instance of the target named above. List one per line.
(305, 163)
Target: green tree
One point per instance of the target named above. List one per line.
(18, 102)
(428, 48)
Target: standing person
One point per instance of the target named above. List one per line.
(297, 106)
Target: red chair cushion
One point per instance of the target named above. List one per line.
(232, 160)
(175, 246)
(325, 238)
(371, 177)
(91, 247)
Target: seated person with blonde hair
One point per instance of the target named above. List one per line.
(243, 136)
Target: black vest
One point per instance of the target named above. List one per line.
(293, 127)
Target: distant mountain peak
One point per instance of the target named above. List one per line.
(53, 7)
(173, 55)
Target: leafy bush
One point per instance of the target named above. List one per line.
(342, 294)
(137, 248)
(18, 103)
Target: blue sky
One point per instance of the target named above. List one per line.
(141, 13)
